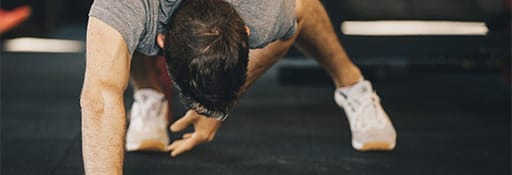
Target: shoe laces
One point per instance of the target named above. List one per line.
(365, 110)
(149, 107)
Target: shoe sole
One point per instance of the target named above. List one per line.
(147, 145)
(376, 146)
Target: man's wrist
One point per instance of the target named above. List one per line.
(220, 116)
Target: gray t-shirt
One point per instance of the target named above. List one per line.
(139, 21)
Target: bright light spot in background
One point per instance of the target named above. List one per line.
(394, 28)
(43, 45)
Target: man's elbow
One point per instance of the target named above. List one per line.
(95, 96)
(91, 102)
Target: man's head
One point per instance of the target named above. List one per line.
(206, 48)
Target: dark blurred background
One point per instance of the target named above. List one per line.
(48, 14)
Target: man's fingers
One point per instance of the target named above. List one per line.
(185, 145)
(182, 123)
(181, 148)
(174, 145)
(187, 135)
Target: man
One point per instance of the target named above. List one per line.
(214, 50)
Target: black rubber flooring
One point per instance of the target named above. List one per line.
(447, 124)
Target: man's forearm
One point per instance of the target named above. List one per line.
(103, 131)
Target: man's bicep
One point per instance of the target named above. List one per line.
(108, 58)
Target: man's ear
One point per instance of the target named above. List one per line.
(160, 38)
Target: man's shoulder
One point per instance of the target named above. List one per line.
(134, 19)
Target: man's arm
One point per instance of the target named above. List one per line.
(103, 113)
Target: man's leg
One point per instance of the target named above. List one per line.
(149, 112)
(144, 72)
(150, 72)
(371, 128)
(318, 39)
(369, 123)
(314, 36)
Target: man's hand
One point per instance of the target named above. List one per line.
(204, 131)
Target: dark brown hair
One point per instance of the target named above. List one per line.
(207, 50)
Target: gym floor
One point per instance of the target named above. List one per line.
(447, 123)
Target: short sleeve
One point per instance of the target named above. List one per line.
(126, 16)
(269, 20)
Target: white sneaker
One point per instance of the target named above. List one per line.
(370, 125)
(147, 130)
